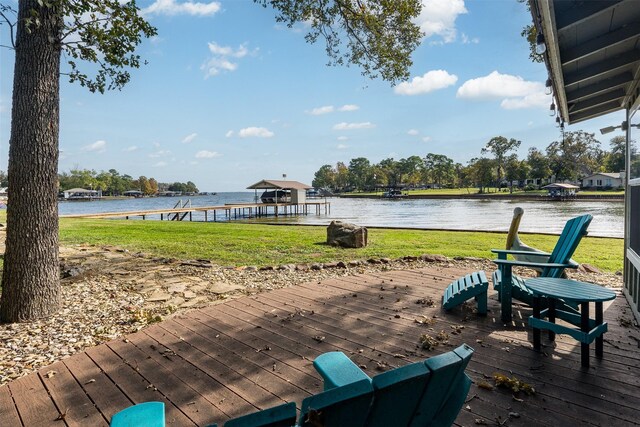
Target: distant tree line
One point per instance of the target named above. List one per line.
(577, 155)
(112, 183)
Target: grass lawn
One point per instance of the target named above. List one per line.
(236, 244)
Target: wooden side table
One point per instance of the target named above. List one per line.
(586, 330)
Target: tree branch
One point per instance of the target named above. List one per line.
(11, 27)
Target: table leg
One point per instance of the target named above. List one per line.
(600, 338)
(584, 327)
(552, 317)
(536, 315)
(505, 294)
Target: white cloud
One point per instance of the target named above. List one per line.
(255, 132)
(224, 58)
(496, 85)
(537, 99)
(159, 153)
(130, 148)
(172, 7)
(430, 81)
(466, 40)
(349, 107)
(516, 92)
(342, 138)
(98, 146)
(342, 147)
(189, 138)
(204, 154)
(426, 139)
(322, 110)
(229, 134)
(159, 164)
(351, 126)
(413, 132)
(438, 18)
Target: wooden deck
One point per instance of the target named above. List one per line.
(254, 352)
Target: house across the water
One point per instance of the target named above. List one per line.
(604, 181)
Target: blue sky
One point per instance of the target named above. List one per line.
(229, 97)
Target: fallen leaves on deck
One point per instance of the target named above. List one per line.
(513, 383)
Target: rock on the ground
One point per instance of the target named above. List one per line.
(346, 235)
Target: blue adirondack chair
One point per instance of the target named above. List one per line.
(552, 264)
(147, 414)
(429, 393)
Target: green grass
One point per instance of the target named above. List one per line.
(236, 244)
(602, 193)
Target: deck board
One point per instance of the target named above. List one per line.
(254, 352)
(71, 400)
(94, 382)
(32, 401)
(8, 411)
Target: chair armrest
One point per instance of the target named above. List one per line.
(337, 370)
(509, 262)
(510, 252)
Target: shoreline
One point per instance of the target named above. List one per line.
(498, 196)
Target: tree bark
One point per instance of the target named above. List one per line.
(31, 277)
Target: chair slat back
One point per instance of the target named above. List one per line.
(397, 394)
(574, 230)
(347, 405)
(446, 370)
(451, 407)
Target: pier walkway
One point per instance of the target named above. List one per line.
(229, 211)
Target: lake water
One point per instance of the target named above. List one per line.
(458, 214)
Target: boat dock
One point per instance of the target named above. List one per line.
(228, 211)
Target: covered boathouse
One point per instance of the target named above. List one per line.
(297, 189)
(592, 53)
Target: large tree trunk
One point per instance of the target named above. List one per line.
(31, 278)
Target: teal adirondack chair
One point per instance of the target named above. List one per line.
(429, 393)
(552, 264)
(147, 414)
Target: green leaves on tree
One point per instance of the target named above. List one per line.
(104, 32)
(379, 36)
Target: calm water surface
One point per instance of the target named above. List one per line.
(485, 215)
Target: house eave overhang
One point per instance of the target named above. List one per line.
(592, 55)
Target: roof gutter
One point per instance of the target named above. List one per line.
(544, 20)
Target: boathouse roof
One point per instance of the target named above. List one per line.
(561, 186)
(80, 190)
(279, 184)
